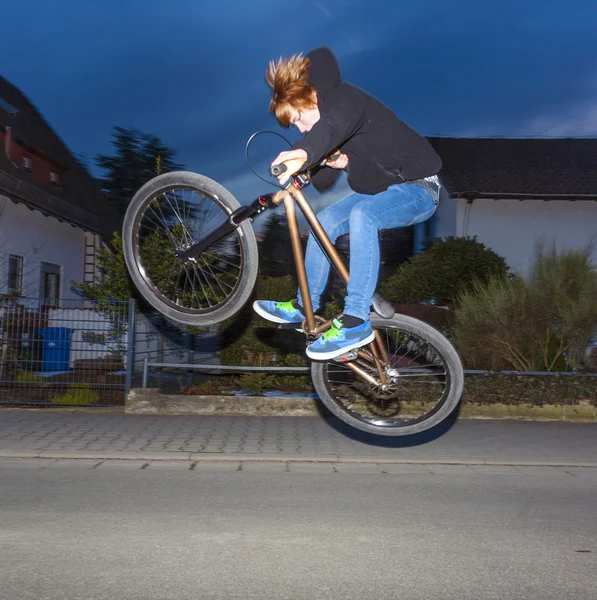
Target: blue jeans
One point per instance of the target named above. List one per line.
(364, 216)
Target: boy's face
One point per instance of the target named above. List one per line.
(304, 119)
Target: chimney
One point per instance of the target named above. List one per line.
(7, 140)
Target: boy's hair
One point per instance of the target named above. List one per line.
(288, 78)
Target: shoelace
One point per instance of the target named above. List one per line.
(334, 331)
(285, 305)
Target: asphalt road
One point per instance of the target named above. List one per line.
(139, 530)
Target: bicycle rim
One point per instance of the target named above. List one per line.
(173, 219)
(424, 380)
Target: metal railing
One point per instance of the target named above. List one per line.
(205, 367)
(147, 365)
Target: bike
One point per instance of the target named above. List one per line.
(191, 251)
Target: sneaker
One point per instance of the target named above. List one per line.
(338, 340)
(279, 312)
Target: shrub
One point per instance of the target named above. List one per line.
(31, 379)
(209, 387)
(256, 382)
(77, 395)
(247, 339)
(541, 324)
(493, 388)
(443, 271)
(566, 285)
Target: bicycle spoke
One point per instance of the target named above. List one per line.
(175, 220)
(417, 382)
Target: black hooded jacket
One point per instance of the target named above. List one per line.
(382, 150)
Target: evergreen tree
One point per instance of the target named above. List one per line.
(275, 250)
(138, 158)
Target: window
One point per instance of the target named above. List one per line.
(15, 274)
(27, 163)
(54, 178)
(8, 107)
(50, 285)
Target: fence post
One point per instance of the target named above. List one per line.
(130, 350)
(145, 380)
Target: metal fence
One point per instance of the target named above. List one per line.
(74, 353)
(83, 353)
(157, 341)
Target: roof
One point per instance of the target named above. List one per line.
(520, 168)
(78, 201)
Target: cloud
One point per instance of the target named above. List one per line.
(324, 10)
(578, 120)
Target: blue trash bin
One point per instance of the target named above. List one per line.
(56, 348)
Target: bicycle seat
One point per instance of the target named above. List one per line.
(382, 307)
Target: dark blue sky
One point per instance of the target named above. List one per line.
(191, 71)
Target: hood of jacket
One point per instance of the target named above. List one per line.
(324, 72)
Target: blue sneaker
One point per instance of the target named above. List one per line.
(279, 312)
(338, 340)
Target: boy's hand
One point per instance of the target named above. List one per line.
(294, 160)
(339, 163)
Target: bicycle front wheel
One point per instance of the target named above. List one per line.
(424, 381)
(171, 213)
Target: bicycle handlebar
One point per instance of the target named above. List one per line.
(282, 168)
(278, 169)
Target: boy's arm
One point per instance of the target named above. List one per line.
(339, 123)
(324, 177)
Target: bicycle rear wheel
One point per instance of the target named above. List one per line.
(169, 214)
(425, 381)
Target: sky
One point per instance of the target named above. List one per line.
(192, 71)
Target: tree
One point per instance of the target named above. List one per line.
(115, 285)
(138, 158)
(108, 292)
(275, 249)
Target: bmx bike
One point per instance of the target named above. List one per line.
(192, 253)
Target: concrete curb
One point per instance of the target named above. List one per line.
(152, 402)
(325, 458)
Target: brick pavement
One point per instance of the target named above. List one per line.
(71, 434)
(87, 434)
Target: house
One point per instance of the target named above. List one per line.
(513, 194)
(52, 215)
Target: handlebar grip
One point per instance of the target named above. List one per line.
(278, 169)
(334, 156)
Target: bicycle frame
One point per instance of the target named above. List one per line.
(291, 194)
(377, 353)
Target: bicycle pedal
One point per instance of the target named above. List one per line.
(351, 355)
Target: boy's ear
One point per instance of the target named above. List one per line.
(314, 97)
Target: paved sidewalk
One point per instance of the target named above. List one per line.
(111, 435)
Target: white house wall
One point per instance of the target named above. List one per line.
(149, 342)
(38, 239)
(514, 228)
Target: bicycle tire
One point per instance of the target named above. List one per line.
(449, 356)
(245, 237)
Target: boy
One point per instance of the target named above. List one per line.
(391, 170)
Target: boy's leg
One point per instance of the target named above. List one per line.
(399, 206)
(335, 222)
